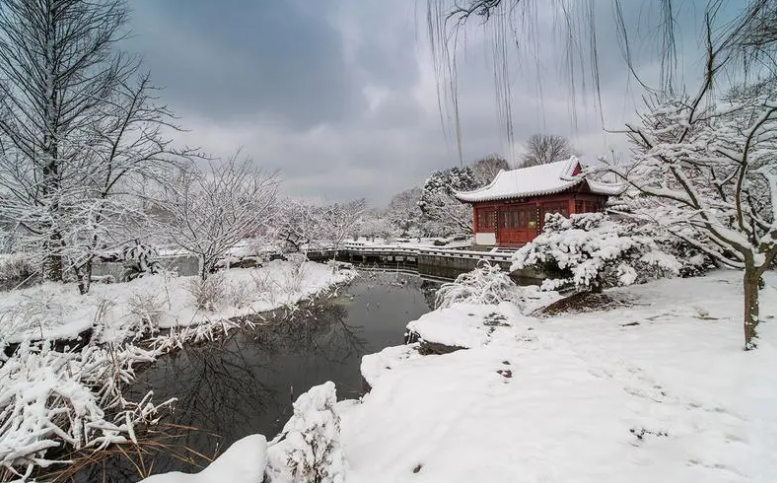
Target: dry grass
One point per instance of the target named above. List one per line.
(163, 439)
(207, 293)
(146, 310)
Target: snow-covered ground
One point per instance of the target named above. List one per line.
(658, 389)
(57, 311)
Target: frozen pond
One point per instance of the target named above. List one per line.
(245, 384)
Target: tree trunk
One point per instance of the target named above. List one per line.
(203, 270)
(751, 307)
(84, 276)
(53, 264)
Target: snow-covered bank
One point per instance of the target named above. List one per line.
(56, 311)
(73, 400)
(655, 390)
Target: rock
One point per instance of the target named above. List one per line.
(428, 348)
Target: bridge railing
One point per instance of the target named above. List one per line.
(364, 249)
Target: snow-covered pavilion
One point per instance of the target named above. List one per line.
(510, 211)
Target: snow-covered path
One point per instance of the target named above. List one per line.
(656, 390)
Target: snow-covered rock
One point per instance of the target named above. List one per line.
(467, 325)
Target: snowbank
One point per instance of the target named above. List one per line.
(57, 311)
(243, 462)
(660, 390)
(468, 325)
(373, 366)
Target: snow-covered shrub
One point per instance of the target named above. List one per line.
(589, 252)
(139, 261)
(308, 449)
(52, 400)
(693, 261)
(207, 293)
(15, 268)
(485, 285)
(146, 309)
(294, 274)
(238, 294)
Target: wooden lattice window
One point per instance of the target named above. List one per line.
(486, 220)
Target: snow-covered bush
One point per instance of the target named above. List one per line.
(53, 400)
(139, 261)
(308, 449)
(207, 293)
(693, 261)
(485, 285)
(17, 268)
(589, 252)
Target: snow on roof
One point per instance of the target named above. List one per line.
(536, 181)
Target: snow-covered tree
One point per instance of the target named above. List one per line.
(297, 223)
(403, 210)
(341, 221)
(77, 120)
(208, 212)
(442, 214)
(377, 225)
(589, 252)
(712, 163)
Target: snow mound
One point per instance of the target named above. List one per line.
(308, 449)
(373, 366)
(243, 462)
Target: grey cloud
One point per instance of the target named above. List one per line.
(242, 58)
(293, 80)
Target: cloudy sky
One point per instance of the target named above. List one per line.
(340, 95)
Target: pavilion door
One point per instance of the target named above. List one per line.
(517, 224)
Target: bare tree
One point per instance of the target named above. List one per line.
(74, 124)
(546, 148)
(485, 169)
(341, 220)
(208, 212)
(297, 223)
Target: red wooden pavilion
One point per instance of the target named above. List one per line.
(511, 210)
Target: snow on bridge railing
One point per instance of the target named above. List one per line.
(474, 254)
(361, 248)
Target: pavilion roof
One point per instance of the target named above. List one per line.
(539, 180)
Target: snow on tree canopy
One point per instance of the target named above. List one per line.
(440, 210)
(590, 251)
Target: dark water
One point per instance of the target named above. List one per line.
(245, 384)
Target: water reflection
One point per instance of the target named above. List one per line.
(245, 383)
